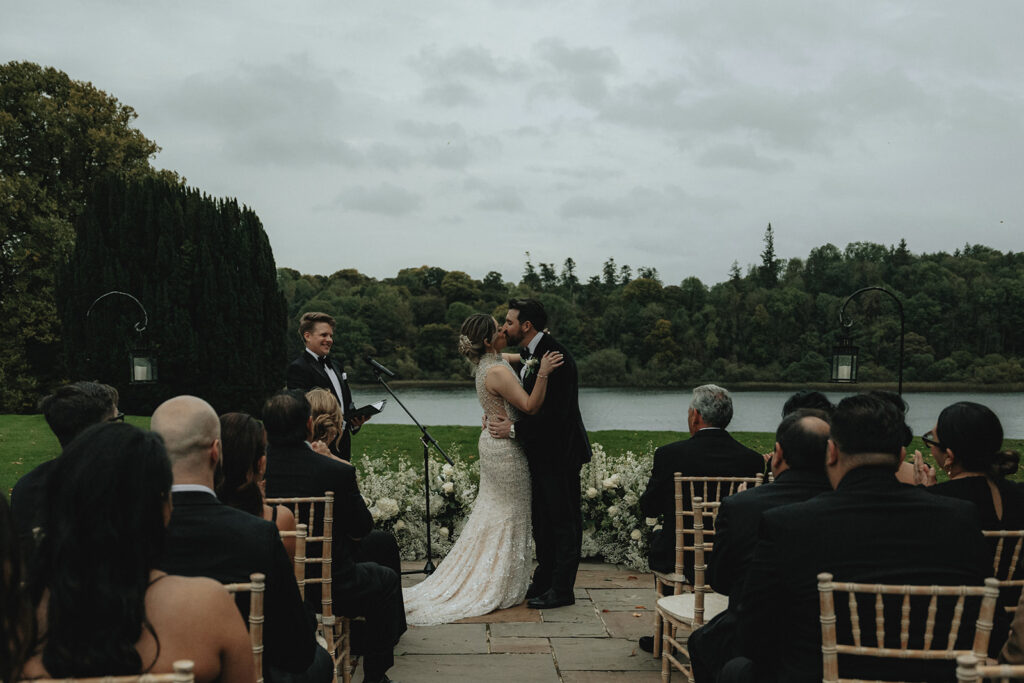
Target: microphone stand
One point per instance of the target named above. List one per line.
(427, 440)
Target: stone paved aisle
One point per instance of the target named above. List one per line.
(594, 640)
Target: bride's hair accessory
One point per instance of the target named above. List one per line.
(475, 330)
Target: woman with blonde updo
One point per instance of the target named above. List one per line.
(488, 568)
(328, 423)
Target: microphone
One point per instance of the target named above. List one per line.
(377, 367)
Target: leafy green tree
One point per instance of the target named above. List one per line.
(58, 138)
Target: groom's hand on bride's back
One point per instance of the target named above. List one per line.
(498, 426)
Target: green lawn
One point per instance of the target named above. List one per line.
(26, 441)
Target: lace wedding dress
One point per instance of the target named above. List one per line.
(488, 568)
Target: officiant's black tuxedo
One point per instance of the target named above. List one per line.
(556, 446)
(207, 538)
(364, 572)
(305, 373)
(708, 453)
(735, 537)
(870, 529)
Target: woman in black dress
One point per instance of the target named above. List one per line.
(966, 443)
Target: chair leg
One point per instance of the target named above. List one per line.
(658, 626)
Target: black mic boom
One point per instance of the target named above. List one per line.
(377, 367)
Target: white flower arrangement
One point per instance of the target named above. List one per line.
(614, 528)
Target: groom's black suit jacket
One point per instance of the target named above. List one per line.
(207, 538)
(556, 433)
(305, 373)
(708, 453)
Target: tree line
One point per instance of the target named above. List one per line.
(775, 322)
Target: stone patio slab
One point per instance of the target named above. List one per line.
(612, 578)
(622, 600)
(519, 613)
(613, 676)
(500, 668)
(603, 654)
(580, 613)
(520, 645)
(447, 639)
(549, 629)
(626, 625)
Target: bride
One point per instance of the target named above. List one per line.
(488, 568)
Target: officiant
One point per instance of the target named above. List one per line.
(316, 368)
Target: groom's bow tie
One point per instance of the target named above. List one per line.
(525, 354)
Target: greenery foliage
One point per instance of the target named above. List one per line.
(777, 323)
(57, 138)
(204, 271)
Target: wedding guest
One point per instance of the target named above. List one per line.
(1013, 650)
(243, 469)
(16, 620)
(328, 423)
(870, 528)
(967, 442)
(709, 452)
(205, 537)
(805, 398)
(103, 607)
(68, 411)
(365, 566)
(315, 368)
(798, 463)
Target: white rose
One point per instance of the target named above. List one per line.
(612, 510)
(367, 501)
(657, 527)
(651, 521)
(399, 525)
(636, 535)
(608, 483)
(448, 487)
(375, 513)
(447, 470)
(616, 479)
(592, 492)
(443, 532)
(388, 507)
(629, 499)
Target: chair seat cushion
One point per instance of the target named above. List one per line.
(671, 577)
(680, 607)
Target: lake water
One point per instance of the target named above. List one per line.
(658, 409)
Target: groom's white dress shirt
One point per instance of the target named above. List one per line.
(532, 348)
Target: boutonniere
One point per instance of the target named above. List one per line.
(531, 365)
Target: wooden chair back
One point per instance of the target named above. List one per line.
(312, 513)
(702, 545)
(970, 670)
(1006, 564)
(709, 490)
(183, 673)
(255, 587)
(831, 649)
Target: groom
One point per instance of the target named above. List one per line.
(556, 446)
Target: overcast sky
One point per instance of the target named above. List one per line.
(384, 135)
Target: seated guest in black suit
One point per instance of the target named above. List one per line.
(208, 538)
(315, 368)
(806, 398)
(243, 460)
(869, 529)
(365, 566)
(709, 452)
(68, 411)
(798, 464)
(16, 622)
(103, 607)
(966, 442)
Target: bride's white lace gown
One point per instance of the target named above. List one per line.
(488, 568)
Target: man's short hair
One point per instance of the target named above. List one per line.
(803, 448)
(532, 310)
(806, 398)
(309, 320)
(714, 404)
(73, 407)
(286, 416)
(866, 423)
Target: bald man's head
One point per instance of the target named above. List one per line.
(190, 428)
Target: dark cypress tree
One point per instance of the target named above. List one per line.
(204, 271)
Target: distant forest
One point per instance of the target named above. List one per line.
(774, 322)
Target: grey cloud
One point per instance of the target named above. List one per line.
(592, 207)
(471, 62)
(450, 156)
(450, 94)
(739, 156)
(435, 131)
(505, 199)
(386, 198)
(578, 60)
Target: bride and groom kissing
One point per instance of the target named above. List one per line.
(531, 451)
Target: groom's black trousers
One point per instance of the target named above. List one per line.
(557, 523)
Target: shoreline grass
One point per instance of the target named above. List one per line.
(26, 441)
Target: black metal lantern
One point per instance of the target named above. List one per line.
(143, 367)
(844, 362)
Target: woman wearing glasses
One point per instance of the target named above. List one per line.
(966, 443)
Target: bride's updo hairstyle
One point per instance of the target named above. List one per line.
(475, 329)
(975, 435)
